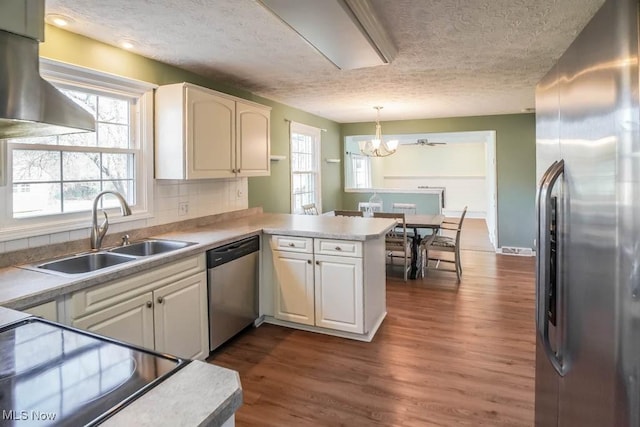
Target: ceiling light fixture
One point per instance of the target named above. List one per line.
(127, 44)
(377, 147)
(346, 32)
(58, 20)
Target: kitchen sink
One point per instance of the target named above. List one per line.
(85, 263)
(150, 247)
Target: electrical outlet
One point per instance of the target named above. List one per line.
(239, 193)
(183, 208)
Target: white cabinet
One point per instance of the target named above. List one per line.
(180, 318)
(339, 293)
(165, 309)
(130, 321)
(201, 133)
(295, 290)
(253, 150)
(321, 290)
(48, 310)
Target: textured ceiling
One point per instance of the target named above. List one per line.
(455, 57)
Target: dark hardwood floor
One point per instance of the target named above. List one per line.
(444, 356)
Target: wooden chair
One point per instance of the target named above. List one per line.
(405, 208)
(397, 244)
(347, 213)
(370, 207)
(310, 209)
(444, 243)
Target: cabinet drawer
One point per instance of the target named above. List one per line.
(338, 247)
(102, 296)
(292, 244)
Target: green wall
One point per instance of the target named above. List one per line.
(273, 192)
(270, 192)
(515, 158)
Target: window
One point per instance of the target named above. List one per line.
(360, 171)
(61, 174)
(305, 167)
(53, 180)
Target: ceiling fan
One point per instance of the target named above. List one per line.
(425, 142)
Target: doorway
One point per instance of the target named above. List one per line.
(463, 163)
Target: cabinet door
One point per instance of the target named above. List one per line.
(294, 287)
(130, 321)
(48, 310)
(210, 135)
(181, 319)
(253, 148)
(339, 293)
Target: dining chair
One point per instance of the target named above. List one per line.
(310, 209)
(406, 208)
(347, 213)
(397, 243)
(443, 243)
(370, 207)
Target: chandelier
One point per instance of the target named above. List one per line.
(377, 147)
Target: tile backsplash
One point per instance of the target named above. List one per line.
(198, 198)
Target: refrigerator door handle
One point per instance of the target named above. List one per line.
(544, 261)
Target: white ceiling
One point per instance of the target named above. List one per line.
(455, 57)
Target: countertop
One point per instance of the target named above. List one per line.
(21, 288)
(200, 394)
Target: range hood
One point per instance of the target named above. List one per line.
(29, 105)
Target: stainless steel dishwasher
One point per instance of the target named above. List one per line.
(232, 281)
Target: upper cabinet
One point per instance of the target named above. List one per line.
(204, 134)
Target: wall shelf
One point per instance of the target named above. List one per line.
(276, 158)
(332, 160)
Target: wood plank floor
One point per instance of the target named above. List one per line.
(444, 356)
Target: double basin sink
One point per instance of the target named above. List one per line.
(93, 261)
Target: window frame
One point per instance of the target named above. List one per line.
(316, 134)
(352, 158)
(141, 126)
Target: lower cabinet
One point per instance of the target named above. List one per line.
(295, 290)
(47, 310)
(162, 310)
(319, 290)
(180, 318)
(130, 321)
(339, 293)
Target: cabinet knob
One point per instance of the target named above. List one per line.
(238, 170)
(149, 304)
(160, 300)
(317, 262)
(292, 245)
(338, 248)
(308, 261)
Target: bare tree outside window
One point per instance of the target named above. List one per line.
(60, 174)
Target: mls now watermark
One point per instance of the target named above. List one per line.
(14, 415)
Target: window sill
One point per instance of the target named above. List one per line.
(36, 230)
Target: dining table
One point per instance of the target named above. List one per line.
(416, 222)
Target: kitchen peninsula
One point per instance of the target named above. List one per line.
(329, 249)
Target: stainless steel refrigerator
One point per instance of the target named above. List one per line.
(588, 239)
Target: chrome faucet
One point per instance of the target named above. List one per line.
(98, 232)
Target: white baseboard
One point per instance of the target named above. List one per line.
(516, 251)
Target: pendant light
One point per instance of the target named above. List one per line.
(377, 147)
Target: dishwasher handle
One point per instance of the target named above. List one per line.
(224, 254)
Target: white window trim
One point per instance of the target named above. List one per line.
(58, 72)
(316, 133)
(351, 173)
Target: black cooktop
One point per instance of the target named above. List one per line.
(54, 375)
